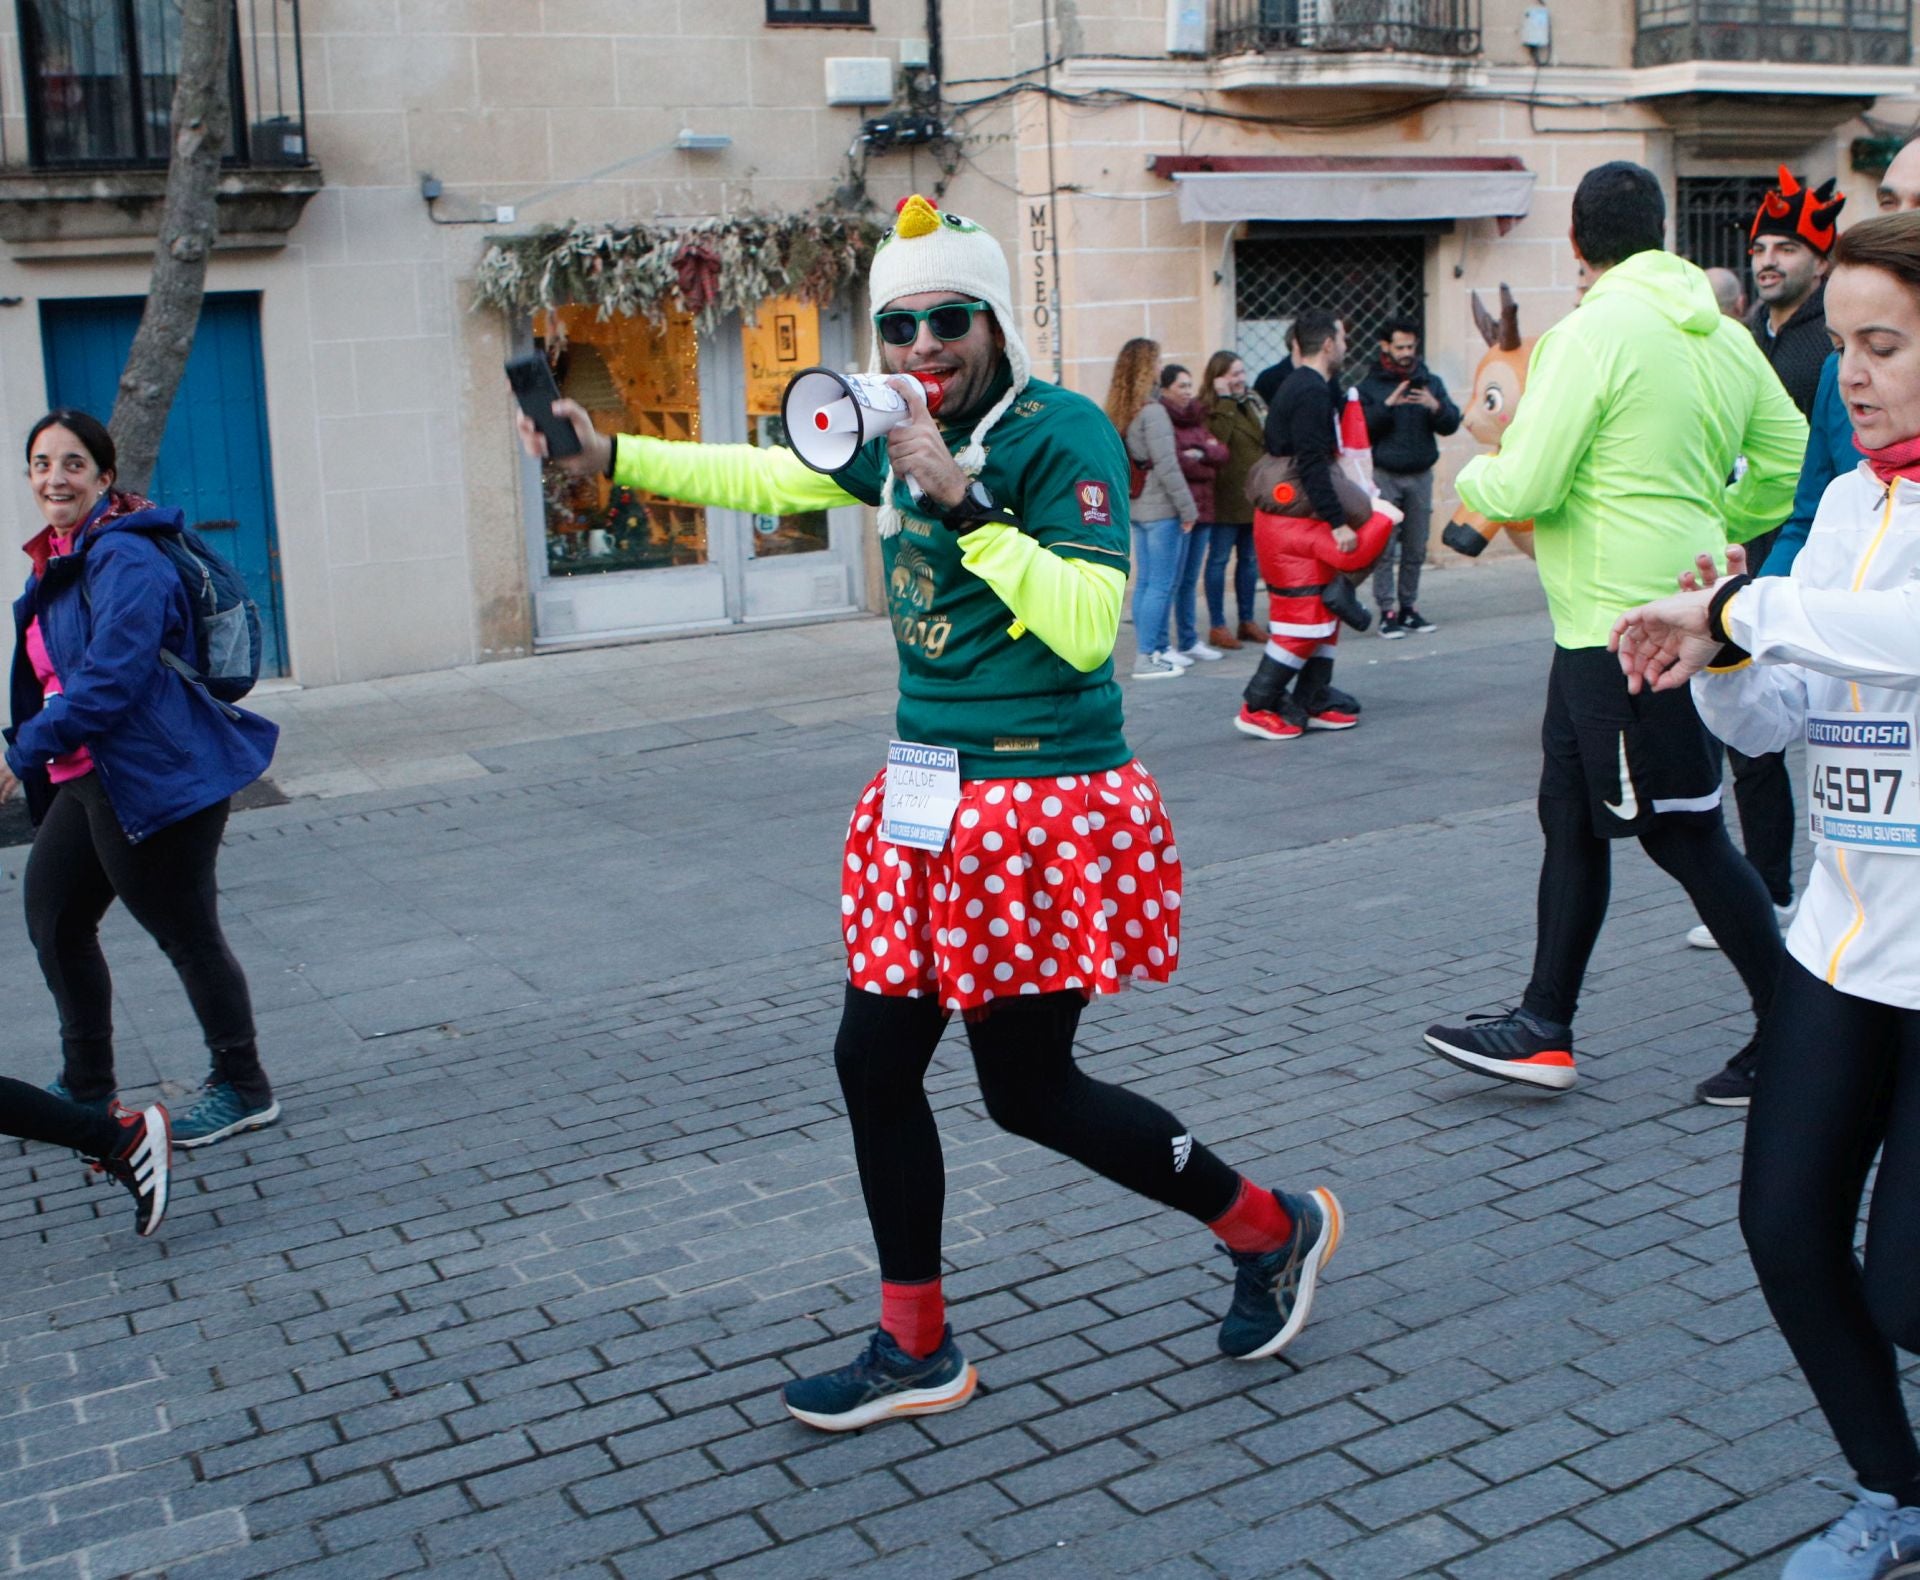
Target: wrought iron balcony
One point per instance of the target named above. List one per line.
(100, 77)
(99, 81)
(1795, 32)
(1449, 28)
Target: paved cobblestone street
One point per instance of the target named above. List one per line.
(545, 959)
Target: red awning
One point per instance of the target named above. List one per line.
(1229, 188)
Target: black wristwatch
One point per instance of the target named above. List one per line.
(974, 508)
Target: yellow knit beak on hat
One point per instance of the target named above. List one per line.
(917, 217)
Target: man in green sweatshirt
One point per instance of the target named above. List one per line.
(1034, 870)
(1638, 405)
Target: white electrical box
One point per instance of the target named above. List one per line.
(859, 79)
(915, 52)
(1536, 27)
(1186, 27)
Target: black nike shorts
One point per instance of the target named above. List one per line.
(1631, 759)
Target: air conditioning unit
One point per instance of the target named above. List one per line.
(1186, 27)
(859, 79)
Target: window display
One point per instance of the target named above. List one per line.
(632, 378)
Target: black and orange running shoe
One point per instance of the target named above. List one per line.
(1516, 1046)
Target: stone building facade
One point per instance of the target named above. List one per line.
(1193, 170)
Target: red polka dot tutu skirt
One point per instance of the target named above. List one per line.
(1046, 884)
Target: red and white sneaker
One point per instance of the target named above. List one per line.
(1332, 719)
(1265, 726)
(144, 1163)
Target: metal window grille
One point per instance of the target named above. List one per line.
(100, 77)
(1364, 279)
(1422, 27)
(1712, 215)
(847, 13)
(1806, 32)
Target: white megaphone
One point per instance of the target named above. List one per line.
(829, 415)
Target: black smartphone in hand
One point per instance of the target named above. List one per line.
(534, 389)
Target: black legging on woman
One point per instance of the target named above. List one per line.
(31, 1114)
(1023, 1054)
(1838, 1081)
(81, 862)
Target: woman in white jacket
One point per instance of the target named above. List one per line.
(1831, 655)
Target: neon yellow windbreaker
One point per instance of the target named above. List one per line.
(1637, 405)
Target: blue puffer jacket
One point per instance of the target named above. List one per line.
(163, 748)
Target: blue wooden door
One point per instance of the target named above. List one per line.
(214, 461)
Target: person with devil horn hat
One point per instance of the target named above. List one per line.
(1040, 871)
(1793, 231)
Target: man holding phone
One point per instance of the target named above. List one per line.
(1407, 410)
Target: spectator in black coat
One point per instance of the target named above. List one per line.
(1408, 411)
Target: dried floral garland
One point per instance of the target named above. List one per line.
(708, 268)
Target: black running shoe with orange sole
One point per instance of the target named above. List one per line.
(1515, 1046)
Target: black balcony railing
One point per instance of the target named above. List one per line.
(100, 78)
(1799, 32)
(1418, 27)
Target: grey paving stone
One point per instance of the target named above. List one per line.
(391, 1340)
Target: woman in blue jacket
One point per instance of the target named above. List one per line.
(129, 770)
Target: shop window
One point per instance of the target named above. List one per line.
(632, 378)
(784, 339)
(842, 12)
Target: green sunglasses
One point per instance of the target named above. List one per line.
(948, 321)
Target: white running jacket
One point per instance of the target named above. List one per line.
(1840, 636)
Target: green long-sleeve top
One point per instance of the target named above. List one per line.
(1005, 633)
(1637, 404)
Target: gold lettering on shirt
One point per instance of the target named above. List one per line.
(929, 633)
(1016, 743)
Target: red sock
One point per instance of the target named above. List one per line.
(915, 1314)
(1255, 1222)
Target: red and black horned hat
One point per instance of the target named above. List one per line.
(1802, 213)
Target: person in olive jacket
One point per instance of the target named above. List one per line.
(1407, 410)
(1238, 419)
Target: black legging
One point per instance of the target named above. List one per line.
(1023, 1055)
(36, 1115)
(1576, 879)
(1838, 1080)
(81, 861)
(1763, 791)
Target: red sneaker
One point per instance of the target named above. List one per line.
(1332, 719)
(1267, 726)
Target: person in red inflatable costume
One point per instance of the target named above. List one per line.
(1300, 554)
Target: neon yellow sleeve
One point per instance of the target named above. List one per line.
(1072, 605)
(770, 482)
(1775, 445)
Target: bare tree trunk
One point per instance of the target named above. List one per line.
(201, 115)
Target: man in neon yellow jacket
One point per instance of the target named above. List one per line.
(1054, 874)
(1639, 405)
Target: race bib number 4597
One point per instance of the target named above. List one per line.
(1863, 781)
